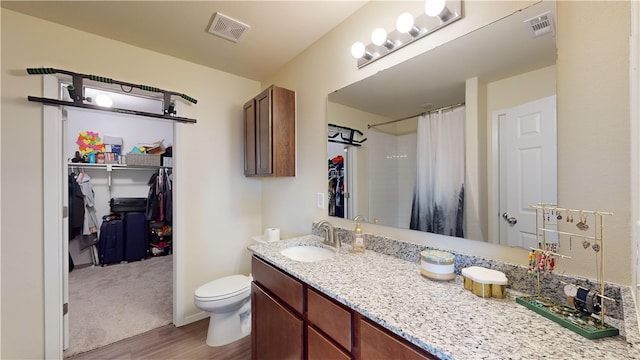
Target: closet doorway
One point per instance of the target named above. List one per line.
(61, 129)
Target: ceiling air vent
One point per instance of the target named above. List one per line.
(228, 28)
(540, 25)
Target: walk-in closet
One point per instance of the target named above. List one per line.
(119, 170)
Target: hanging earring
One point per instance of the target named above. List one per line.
(584, 224)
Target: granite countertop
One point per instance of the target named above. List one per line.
(440, 317)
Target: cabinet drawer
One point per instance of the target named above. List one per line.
(376, 343)
(319, 348)
(289, 290)
(329, 317)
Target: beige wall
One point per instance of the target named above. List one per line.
(593, 122)
(222, 207)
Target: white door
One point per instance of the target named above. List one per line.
(528, 168)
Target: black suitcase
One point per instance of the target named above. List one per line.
(111, 242)
(121, 205)
(136, 236)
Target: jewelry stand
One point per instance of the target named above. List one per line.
(577, 317)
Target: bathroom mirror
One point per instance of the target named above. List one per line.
(490, 70)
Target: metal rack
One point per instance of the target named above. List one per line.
(592, 229)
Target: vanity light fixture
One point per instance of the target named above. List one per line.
(437, 8)
(406, 24)
(379, 38)
(438, 14)
(358, 51)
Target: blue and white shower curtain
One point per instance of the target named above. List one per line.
(438, 202)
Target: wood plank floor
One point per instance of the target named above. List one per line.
(169, 342)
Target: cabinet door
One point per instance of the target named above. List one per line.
(264, 136)
(320, 348)
(276, 332)
(376, 343)
(250, 138)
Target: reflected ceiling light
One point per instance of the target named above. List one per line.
(437, 8)
(405, 24)
(104, 100)
(438, 14)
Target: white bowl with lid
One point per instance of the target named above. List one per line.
(485, 282)
(437, 265)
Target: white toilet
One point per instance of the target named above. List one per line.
(228, 300)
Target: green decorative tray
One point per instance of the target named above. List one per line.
(576, 321)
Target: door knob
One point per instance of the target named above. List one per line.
(510, 219)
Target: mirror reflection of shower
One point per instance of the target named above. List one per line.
(392, 170)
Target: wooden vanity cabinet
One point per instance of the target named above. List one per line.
(319, 347)
(327, 323)
(377, 343)
(277, 326)
(269, 133)
(276, 332)
(291, 320)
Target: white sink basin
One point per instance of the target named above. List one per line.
(307, 253)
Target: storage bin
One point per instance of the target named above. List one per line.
(118, 205)
(143, 159)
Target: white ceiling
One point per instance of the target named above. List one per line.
(280, 30)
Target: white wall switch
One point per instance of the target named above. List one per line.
(320, 200)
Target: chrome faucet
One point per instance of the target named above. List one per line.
(330, 236)
(361, 218)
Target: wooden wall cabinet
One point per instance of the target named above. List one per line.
(269, 133)
(293, 321)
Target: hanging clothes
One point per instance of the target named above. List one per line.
(168, 197)
(336, 186)
(152, 198)
(90, 223)
(76, 207)
(159, 198)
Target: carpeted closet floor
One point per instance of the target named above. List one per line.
(115, 302)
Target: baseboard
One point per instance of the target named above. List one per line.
(193, 318)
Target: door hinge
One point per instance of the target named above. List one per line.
(65, 212)
(65, 309)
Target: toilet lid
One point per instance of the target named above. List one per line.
(224, 287)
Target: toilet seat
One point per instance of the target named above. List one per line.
(223, 288)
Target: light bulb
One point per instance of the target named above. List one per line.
(104, 100)
(357, 50)
(379, 36)
(433, 7)
(404, 23)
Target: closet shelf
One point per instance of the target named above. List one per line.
(111, 167)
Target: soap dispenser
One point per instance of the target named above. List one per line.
(357, 243)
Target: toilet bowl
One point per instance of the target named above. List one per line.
(228, 300)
